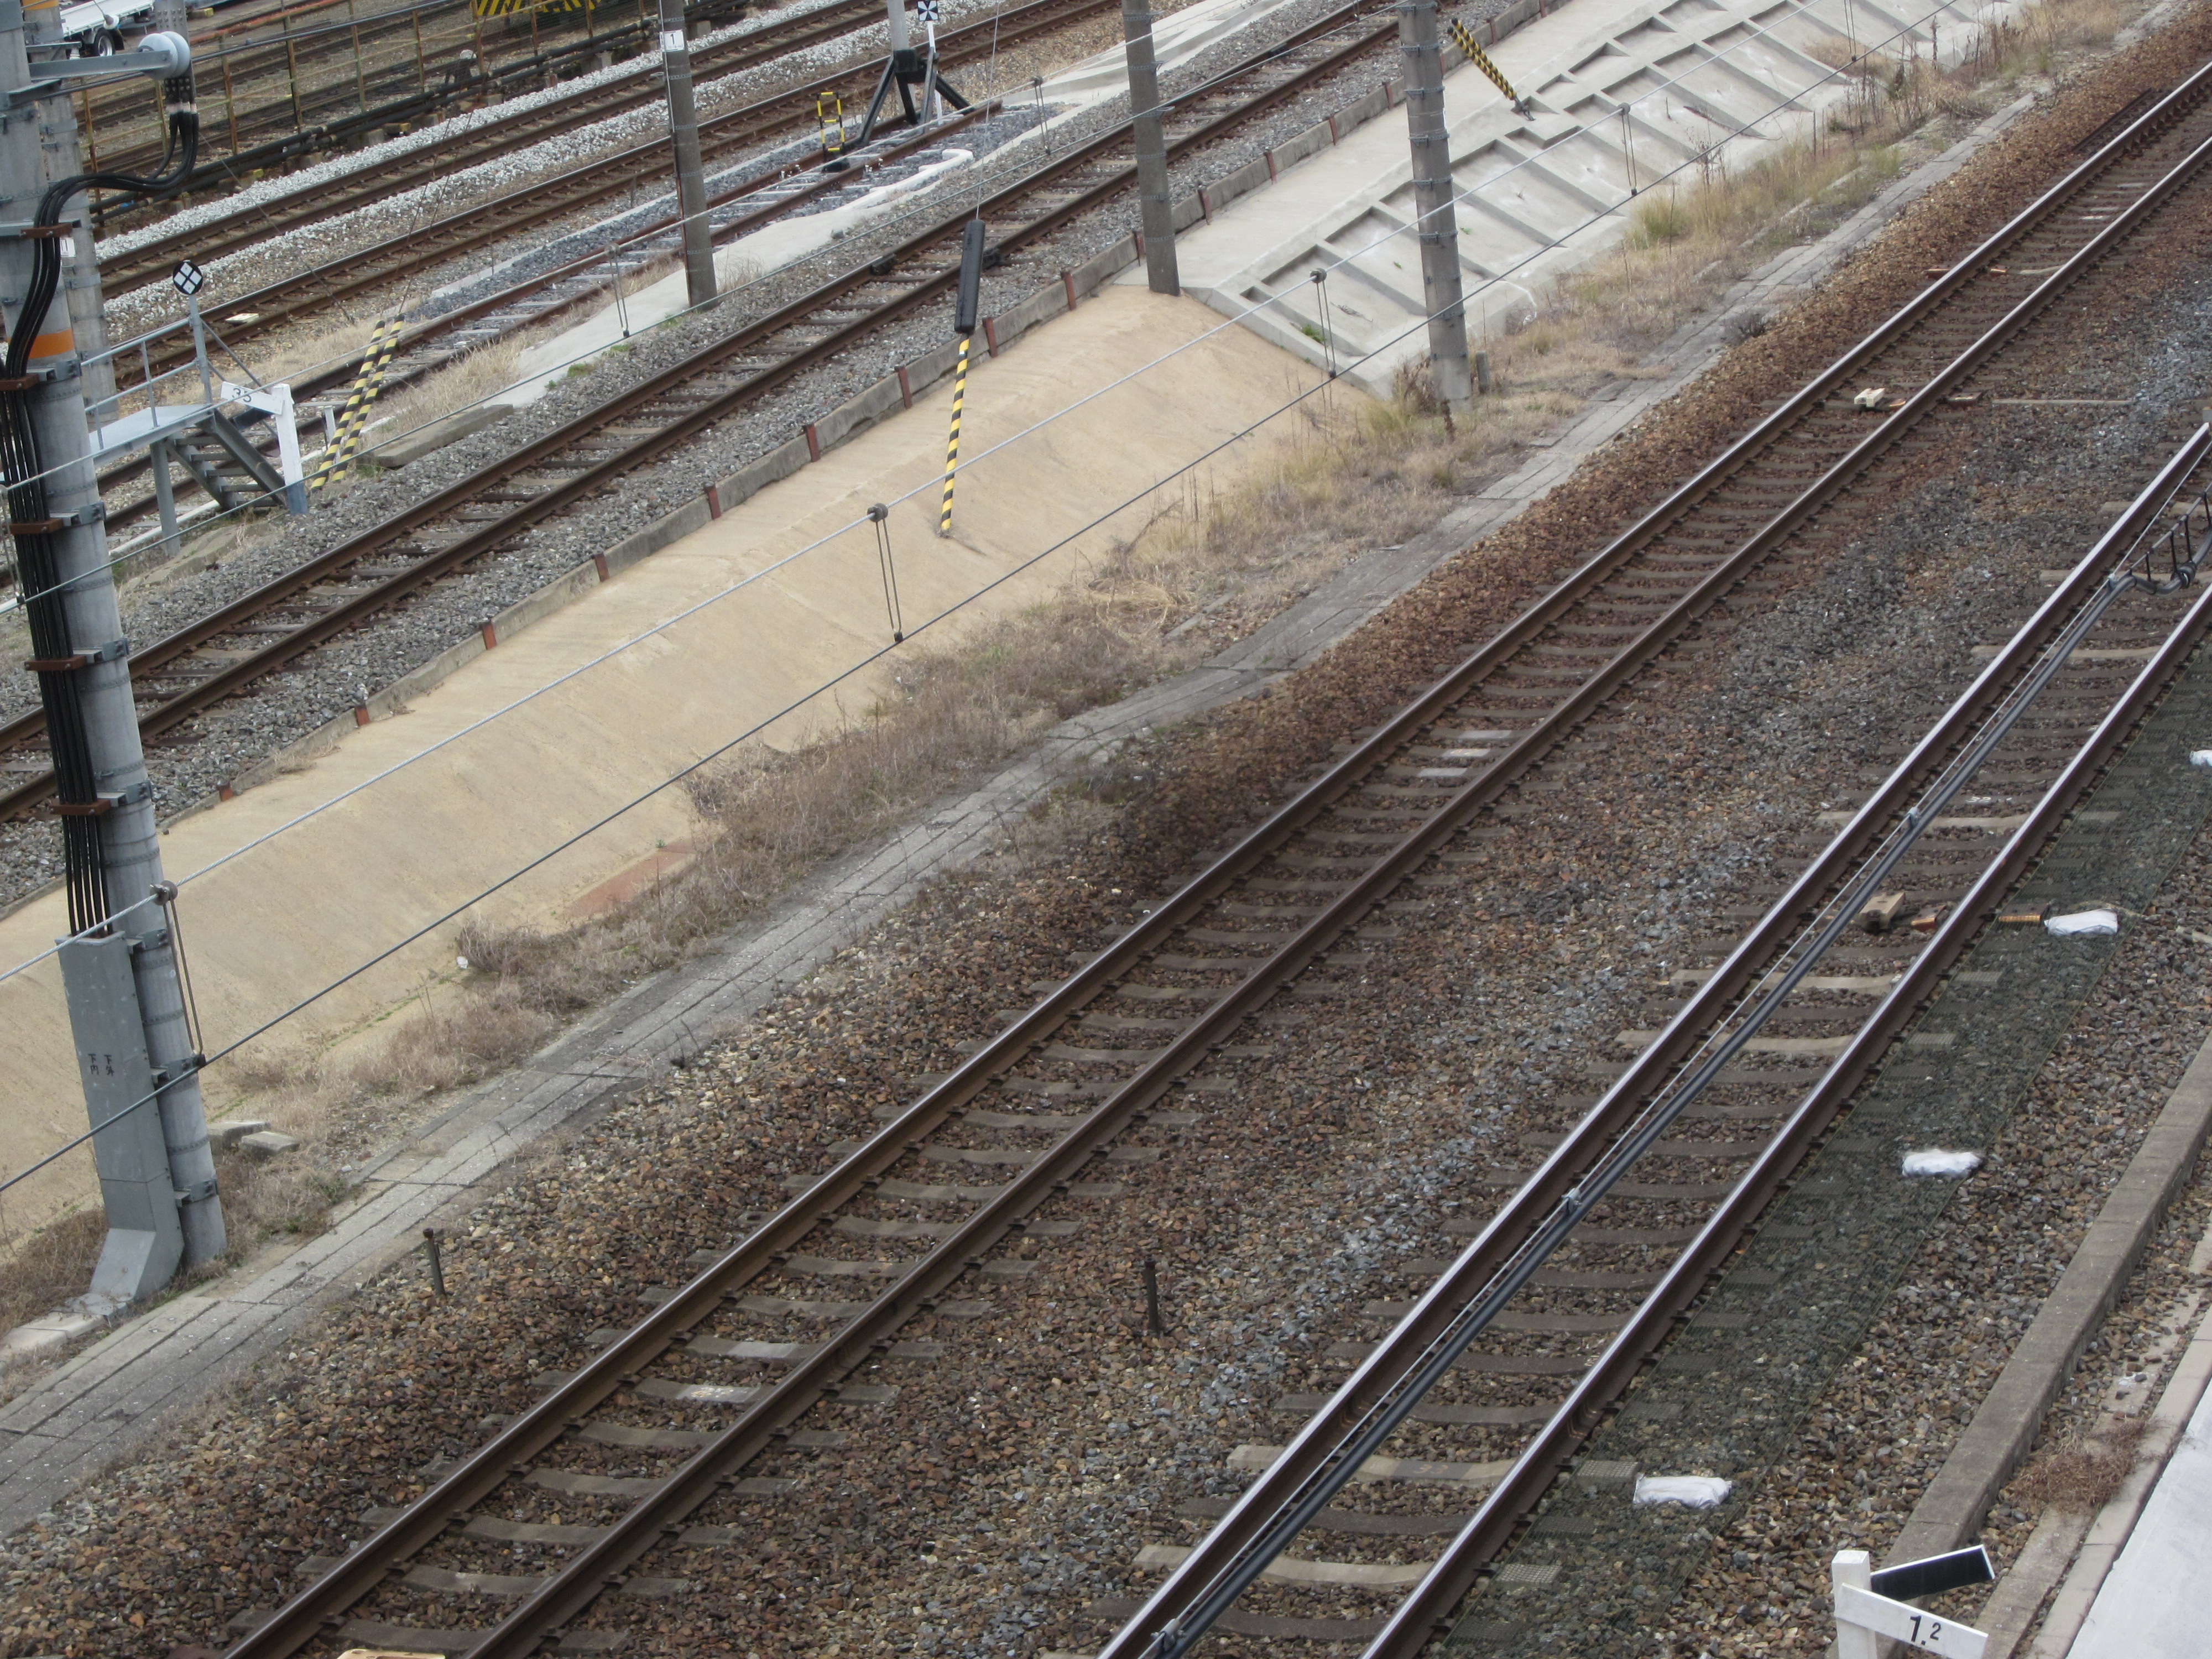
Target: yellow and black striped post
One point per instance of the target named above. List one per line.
(366, 385)
(1475, 55)
(952, 442)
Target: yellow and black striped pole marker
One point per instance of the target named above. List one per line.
(967, 306)
(366, 385)
(829, 115)
(953, 441)
(1475, 55)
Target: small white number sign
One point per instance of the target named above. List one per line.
(1908, 1624)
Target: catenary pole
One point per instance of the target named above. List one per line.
(1437, 222)
(127, 1000)
(691, 180)
(1155, 207)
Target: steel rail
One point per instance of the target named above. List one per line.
(489, 534)
(447, 322)
(1461, 1304)
(270, 58)
(1418, 1618)
(781, 1404)
(282, 113)
(29, 725)
(371, 183)
(1277, 1488)
(616, 175)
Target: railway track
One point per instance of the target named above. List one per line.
(309, 203)
(426, 347)
(306, 88)
(183, 675)
(609, 179)
(688, 1415)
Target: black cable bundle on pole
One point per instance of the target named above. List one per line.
(37, 565)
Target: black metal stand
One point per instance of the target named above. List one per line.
(906, 70)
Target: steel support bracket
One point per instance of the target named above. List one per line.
(168, 56)
(198, 1193)
(38, 377)
(113, 651)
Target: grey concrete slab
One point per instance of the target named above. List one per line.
(2152, 1603)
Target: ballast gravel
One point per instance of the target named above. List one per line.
(193, 762)
(1011, 1483)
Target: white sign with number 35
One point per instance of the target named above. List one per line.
(1908, 1624)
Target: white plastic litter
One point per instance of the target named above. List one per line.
(1696, 1491)
(2083, 922)
(2200, 757)
(1934, 1161)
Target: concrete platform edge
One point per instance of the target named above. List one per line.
(2003, 1431)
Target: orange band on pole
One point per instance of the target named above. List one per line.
(52, 345)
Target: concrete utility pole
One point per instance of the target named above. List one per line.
(126, 1002)
(691, 180)
(1435, 220)
(1157, 211)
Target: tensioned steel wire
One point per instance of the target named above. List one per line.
(1504, 277)
(1285, 408)
(825, 686)
(1731, 1029)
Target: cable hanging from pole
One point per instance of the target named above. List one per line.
(880, 516)
(54, 657)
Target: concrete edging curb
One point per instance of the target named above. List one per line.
(2005, 1427)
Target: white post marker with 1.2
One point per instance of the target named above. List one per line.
(1862, 1615)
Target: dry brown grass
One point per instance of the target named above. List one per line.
(50, 1266)
(1208, 567)
(1693, 237)
(767, 818)
(474, 377)
(262, 1198)
(2083, 1477)
(333, 340)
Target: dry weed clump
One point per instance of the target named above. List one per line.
(2081, 1478)
(476, 376)
(768, 818)
(1711, 224)
(50, 1266)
